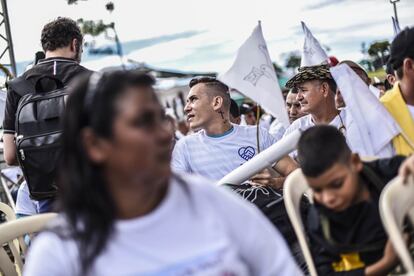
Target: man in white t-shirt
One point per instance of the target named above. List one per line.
(294, 112)
(316, 95)
(220, 147)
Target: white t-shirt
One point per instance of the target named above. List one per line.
(348, 127)
(411, 109)
(24, 204)
(198, 229)
(277, 129)
(305, 122)
(215, 157)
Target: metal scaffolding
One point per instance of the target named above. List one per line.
(5, 35)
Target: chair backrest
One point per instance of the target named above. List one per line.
(8, 211)
(294, 188)
(12, 230)
(396, 202)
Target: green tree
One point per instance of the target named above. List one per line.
(293, 61)
(278, 69)
(379, 50)
(93, 28)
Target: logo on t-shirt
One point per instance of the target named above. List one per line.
(246, 153)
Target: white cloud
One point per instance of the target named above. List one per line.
(226, 22)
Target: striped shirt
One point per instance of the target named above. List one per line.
(215, 157)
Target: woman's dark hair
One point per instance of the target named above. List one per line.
(83, 196)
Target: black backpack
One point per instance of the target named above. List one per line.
(38, 131)
(270, 202)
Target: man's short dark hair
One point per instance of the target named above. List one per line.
(60, 33)
(388, 69)
(215, 85)
(234, 109)
(402, 47)
(319, 148)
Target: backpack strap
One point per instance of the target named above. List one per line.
(43, 84)
(21, 86)
(47, 83)
(370, 174)
(326, 231)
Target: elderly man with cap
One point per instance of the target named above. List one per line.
(316, 95)
(399, 101)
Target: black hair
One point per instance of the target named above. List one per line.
(388, 68)
(83, 196)
(319, 148)
(234, 109)
(402, 47)
(217, 86)
(390, 71)
(60, 33)
(399, 72)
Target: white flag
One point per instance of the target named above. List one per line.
(375, 91)
(253, 75)
(395, 26)
(373, 127)
(312, 53)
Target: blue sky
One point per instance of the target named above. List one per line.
(205, 35)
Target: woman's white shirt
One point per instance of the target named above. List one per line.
(198, 229)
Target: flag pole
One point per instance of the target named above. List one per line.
(257, 127)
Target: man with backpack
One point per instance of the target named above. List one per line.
(61, 41)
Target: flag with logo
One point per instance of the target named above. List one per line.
(253, 74)
(312, 53)
(369, 126)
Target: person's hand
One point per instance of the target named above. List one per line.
(262, 178)
(407, 168)
(386, 264)
(265, 178)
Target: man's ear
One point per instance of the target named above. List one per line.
(408, 66)
(325, 89)
(73, 45)
(96, 148)
(217, 103)
(356, 162)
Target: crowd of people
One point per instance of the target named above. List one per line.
(137, 196)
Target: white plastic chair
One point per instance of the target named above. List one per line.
(11, 178)
(8, 211)
(295, 187)
(12, 230)
(396, 202)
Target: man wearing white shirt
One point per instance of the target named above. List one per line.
(294, 111)
(316, 95)
(220, 147)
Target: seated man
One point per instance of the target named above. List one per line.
(220, 146)
(344, 226)
(294, 111)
